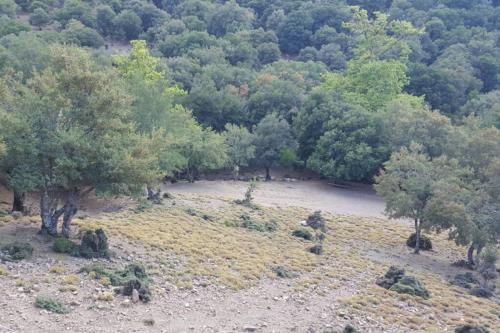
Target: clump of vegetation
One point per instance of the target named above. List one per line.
(3, 272)
(425, 242)
(316, 221)
(16, 251)
(471, 329)
(64, 245)
(302, 233)
(467, 280)
(248, 200)
(283, 272)
(251, 224)
(488, 271)
(132, 277)
(396, 280)
(142, 206)
(51, 304)
(316, 249)
(94, 245)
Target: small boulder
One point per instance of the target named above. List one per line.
(135, 296)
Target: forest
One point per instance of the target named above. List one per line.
(113, 96)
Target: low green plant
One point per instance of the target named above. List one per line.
(142, 206)
(251, 224)
(17, 251)
(64, 245)
(302, 233)
(425, 242)
(94, 244)
(133, 276)
(51, 304)
(284, 272)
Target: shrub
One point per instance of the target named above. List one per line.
(71, 279)
(50, 304)
(94, 244)
(471, 329)
(316, 249)
(467, 280)
(425, 242)
(284, 272)
(248, 200)
(57, 269)
(17, 251)
(302, 233)
(316, 221)
(482, 291)
(63, 245)
(410, 285)
(250, 224)
(132, 277)
(392, 276)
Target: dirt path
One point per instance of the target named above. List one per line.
(354, 199)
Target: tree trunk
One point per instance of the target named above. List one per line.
(18, 204)
(49, 213)
(470, 255)
(70, 209)
(417, 236)
(268, 174)
(236, 172)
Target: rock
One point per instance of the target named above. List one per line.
(126, 303)
(135, 296)
(17, 214)
(470, 329)
(249, 328)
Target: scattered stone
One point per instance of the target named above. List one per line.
(135, 296)
(126, 303)
(249, 328)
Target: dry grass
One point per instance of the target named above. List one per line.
(356, 252)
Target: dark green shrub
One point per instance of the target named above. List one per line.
(349, 329)
(425, 242)
(63, 245)
(410, 285)
(316, 221)
(50, 304)
(251, 224)
(471, 329)
(132, 277)
(482, 291)
(17, 251)
(316, 249)
(392, 276)
(284, 272)
(302, 233)
(467, 280)
(94, 244)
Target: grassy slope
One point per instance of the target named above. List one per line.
(357, 251)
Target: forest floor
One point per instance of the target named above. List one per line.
(210, 274)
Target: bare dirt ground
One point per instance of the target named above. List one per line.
(331, 291)
(349, 199)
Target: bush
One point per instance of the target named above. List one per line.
(316, 249)
(392, 276)
(17, 251)
(94, 244)
(410, 285)
(471, 329)
(316, 221)
(482, 291)
(302, 233)
(50, 304)
(284, 272)
(250, 224)
(425, 242)
(63, 245)
(132, 277)
(467, 280)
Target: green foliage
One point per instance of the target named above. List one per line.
(8, 8)
(94, 244)
(127, 25)
(77, 33)
(51, 304)
(283, 272)
(410, 285)
(63, 245)
(251, 224)
(132, 277)
(302, 233)
(240, 145)
(39, 18)
(17, 251)
(425, 242)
